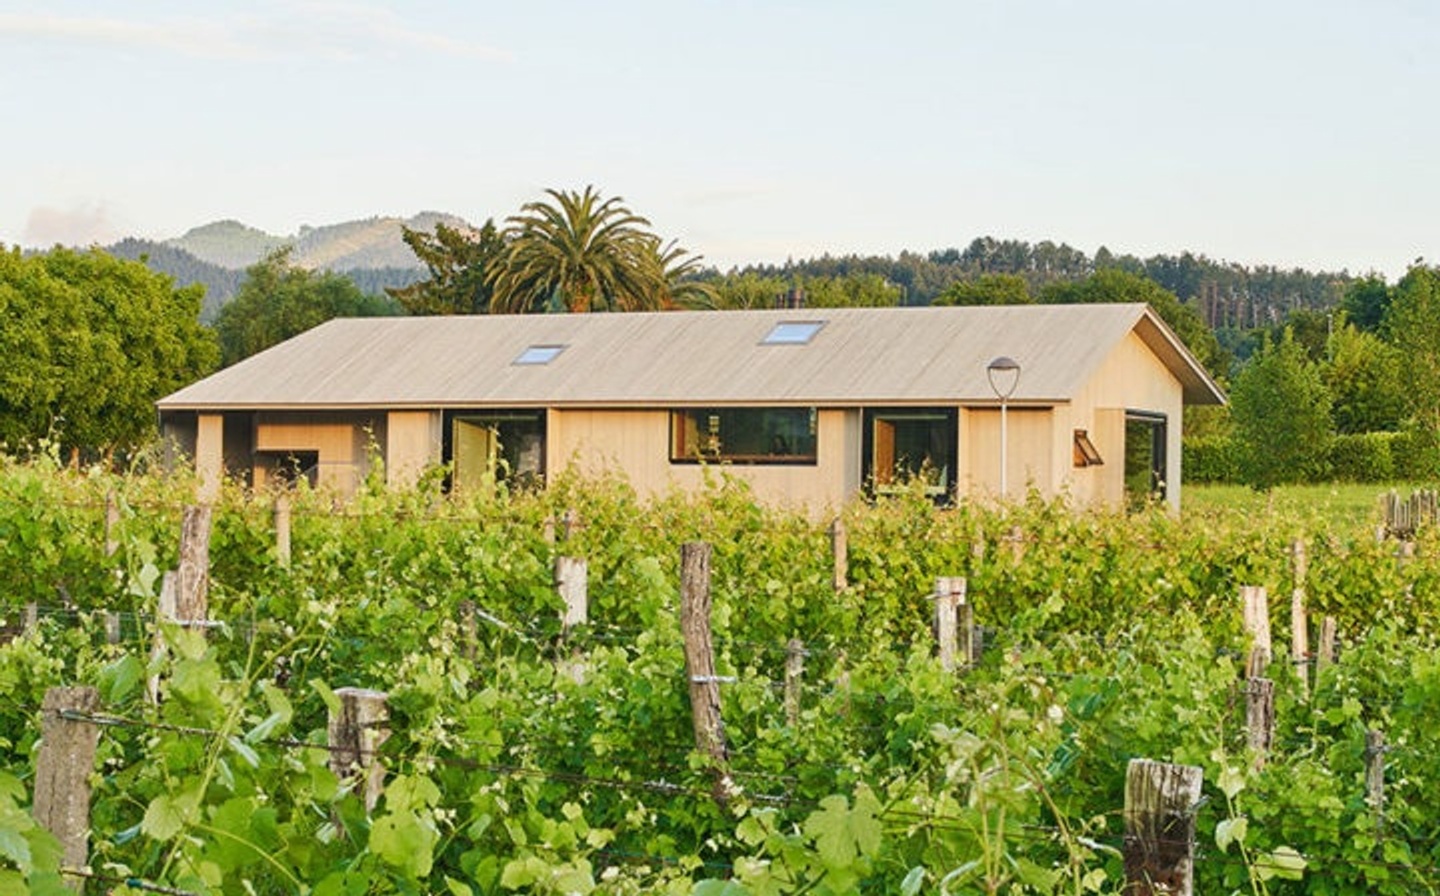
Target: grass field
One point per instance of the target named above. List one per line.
(1343, 504)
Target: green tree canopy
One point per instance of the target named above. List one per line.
(89, 343)
(1363, 375)
(1412, 323)
(578, 252)
(1115, 285)
(278, 300)
(1366, 301)
(988, 289)
(459, 264)
(1281, 412)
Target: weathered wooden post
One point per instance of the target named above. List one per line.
(840, 553)
(571, 583)
(356, 733)
(1016, 537)
(469, 630)
(1260, 717)
(570, 522)
(547, 529)
(1257, 626)
(166, 610)
(949, 593)
(112, 627)
(63, 769)
(1325, 655)
(112, 523)
(32, 618)
(1299, 619)
(1160, 801)
(282, 529)
(1375, 776)
(572, 578)
(700, 663)
(194, 566)
(794, 678)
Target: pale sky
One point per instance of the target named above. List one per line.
(1284, 133)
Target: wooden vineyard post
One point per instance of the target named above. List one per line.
(282, 530)
(63, 770)
(356, 733)
(469, 630)
(949, 594)
(194, 570)
(1375, 776)
(32, 618)
(572, 583)
(569, 522)
(1257, 626)
(112, 627)
(1299, 619)
(1160, 801)
(794, 679)
(166, 610)
(700, 663)
(112, 523)
(1325, 654)
(1016, 537)
(840, 553)
(1260, 717)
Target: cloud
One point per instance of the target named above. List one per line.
(81, 225)
(334, 30)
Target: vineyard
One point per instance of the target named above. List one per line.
(522, 747)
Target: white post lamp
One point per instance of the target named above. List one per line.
(1004, 374)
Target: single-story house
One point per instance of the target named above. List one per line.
(811, 406)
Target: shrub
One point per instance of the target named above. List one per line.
(1363, 457)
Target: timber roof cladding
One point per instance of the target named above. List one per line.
(861, 356)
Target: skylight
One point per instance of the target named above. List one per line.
(539, 354)
(793, 332)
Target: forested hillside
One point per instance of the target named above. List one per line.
(1227, 294)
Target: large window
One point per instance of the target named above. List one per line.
(743, 435)
(490, 448)
(904, 445)
(1144, 458)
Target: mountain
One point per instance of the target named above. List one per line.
(369, 244)
(227, 244)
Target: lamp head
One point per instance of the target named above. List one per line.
(1004, 374)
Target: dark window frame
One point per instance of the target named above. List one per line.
(680, 453)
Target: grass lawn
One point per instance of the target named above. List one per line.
(1345, 504)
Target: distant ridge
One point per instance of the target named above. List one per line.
(371, 243)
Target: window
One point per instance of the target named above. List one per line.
(539, 354)
(1145, 435)
(793, 332)
(1086, 454)
(906, 445)
(743, 435)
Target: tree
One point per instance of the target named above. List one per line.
(459, 263)
(1413, 325)
(577, 252)
(1366, 301)
(679, 276)
(278, 300)
(1116, 285)
(90, 342)
(1281, 411)
(988, 289)
(1363, 375)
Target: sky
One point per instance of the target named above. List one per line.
(1293, 134)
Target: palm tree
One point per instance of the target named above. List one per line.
(679, 277)
(577, 253)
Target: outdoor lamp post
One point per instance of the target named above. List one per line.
(1004, 374)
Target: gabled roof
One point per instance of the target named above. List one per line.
(676, 358)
